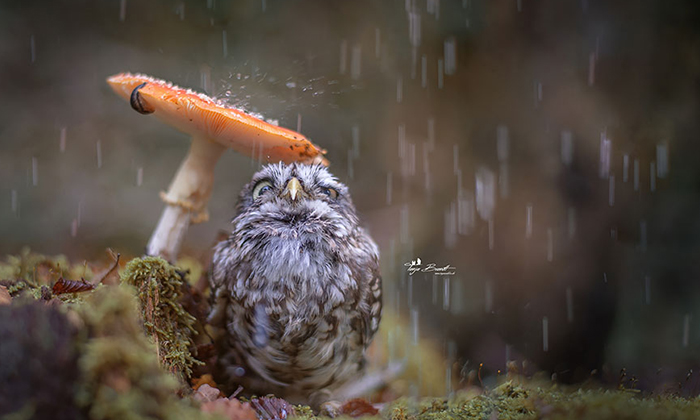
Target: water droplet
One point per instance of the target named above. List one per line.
(652, 176)
(424, 71)
(32, 48)
(355, 140)
(431, 133)
(591, 69)
(550, 245)
(139, 176)
(263, 5)
(451, 226)
(261, 323)
(611, 191)
(567, 147)
(35, 171)
(122, 10)
(14, 202)
(62, 141)
(441, 76)
(446, 294)
(388, 188)
(414, 326)
(635, 170)
(519, 5)
(356, 62)
(98, 149)
(545, 333)
(571, 225)
(377, 43)
(74, 228)
(224, 42)
(351, 170)
(485, 193)
(647, 289)
(404, 225)
(686, 330)
(605, 151)
(528, 221)
(399, 89)
(661, 160)
(503, 183)
(343, 56)
(450, 55)
(488, 296)
(414, 31)
(466, 213)
(298, 122)
(491, 235)
(643, 235)
(569, 305)
(625, 168)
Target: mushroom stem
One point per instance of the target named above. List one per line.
(186, 199)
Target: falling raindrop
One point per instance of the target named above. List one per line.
(404, 226)
(399, 89)
(491, 235)
(686, 329)
(351, 170)
(643, 235)
(79, 218)
(225, 42)
(355, 140)
(550, 245)
(569, 305)
(14, 202)
(605, 151)
(388, 188)
(446, 294)
(591, 69)
(661, 160)
(647, 289)
(122, 10)
(356, 62)
(519, 4)
(424, 71)
(451, 226)
(652, 176)
(98, 149)
(435, 290)
(466, 214)
(261, 323)
(625, 168)
(455, 159)
(264, 5)
(414, 326)
(35, 171)
(502, 143)
(611, 191)
(377, 43)
(414, 32)
(440, 73)
(567, 147)
(32, 48)
(485, 193)
(74, 228)
(298, 122)
(62, 141)
(528, 221)
(571, 225)
(450, 49)
(343, 56)
(545, 333)
(488, 296)
(431, 133)
(139, 176)
(503, 183)
(635, 171)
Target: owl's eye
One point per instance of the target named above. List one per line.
(261, 188)
(329, 192)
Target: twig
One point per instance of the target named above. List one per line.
(111, 270)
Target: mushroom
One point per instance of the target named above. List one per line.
(214, 127)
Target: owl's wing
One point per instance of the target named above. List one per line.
(370, 304)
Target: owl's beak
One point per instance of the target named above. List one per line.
(293, 189)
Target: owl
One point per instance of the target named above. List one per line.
(295, 288)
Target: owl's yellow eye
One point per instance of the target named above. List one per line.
(332, 193)
(261, 188)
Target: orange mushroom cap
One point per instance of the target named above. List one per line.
(201, 116)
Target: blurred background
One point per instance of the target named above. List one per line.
(544, 149)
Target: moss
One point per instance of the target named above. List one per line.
(159, 290)
(121, 377)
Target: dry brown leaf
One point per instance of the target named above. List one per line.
(232, 409)
(5, 297)
(358, 407)
(206, 393)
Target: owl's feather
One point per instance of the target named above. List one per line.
(296, 287)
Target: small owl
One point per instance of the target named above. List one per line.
(296, 287)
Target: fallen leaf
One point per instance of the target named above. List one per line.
(358, 407)
(206, 393)
(272, 408)
(5, 297)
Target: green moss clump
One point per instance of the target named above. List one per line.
(171, 327)
(120, 374)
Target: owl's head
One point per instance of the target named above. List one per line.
(298, 197)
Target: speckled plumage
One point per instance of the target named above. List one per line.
(296, 287)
